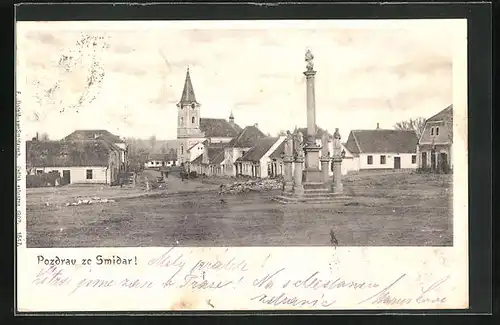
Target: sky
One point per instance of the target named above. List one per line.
(367, 73)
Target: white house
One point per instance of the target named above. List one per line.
(255, 162)
(436, 142)
(240, 145)
(78, 162)
(383, 149)
(160, 160)
(106, 136)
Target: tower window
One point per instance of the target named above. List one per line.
(193, 105)
(182, 120)
(192, 119)
(182, 149)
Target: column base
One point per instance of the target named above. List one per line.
(313, 175)
(288, 187)
(298, 191)
(337, 188)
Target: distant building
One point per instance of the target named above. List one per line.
(256, 161)
(383, 149)
(192, 128)
(78, 162)
(106, 136)
(435, 143)
(158, 160)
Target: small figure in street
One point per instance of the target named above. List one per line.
(333, 239)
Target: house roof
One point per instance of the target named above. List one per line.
(444, 114)
(105, 135)
(382, 141)
(162, 156)
(188, 96)
(259, 149)
(87, 153)
(278, 152)
(219, 128)
(247, 137)
(319, 132)
(214, 153)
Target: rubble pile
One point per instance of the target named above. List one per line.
(251, 185)
(93, 200)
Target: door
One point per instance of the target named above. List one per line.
(424, 160)
(66, 177)
(443, 161)
(397, 162)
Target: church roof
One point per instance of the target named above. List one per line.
(219, 128)
(188, 96)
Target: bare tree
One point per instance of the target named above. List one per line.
(44, 136)
(416, 125)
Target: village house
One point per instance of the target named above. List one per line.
(106, 136)
(193, 129)
(383, 149)
(210, 161)
(158, 160)
(435, 143)
(256, 160)
(238, 146)
(77, 162)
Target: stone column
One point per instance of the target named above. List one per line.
(312, 172)
(298, 188)
(337, 186)
(287, 175)
(325, 169)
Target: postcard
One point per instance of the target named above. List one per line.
(241, 165)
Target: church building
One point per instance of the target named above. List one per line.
(193, 129)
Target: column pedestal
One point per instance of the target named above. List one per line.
(325, 168)
(298, 188)
(288, 176)
(312, 173)
(337, 186)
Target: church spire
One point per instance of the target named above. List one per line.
(188, 96)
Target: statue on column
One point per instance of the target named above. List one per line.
(309, 59)
(337, 146)
(299, 144)
(325, 143)
(289, 145)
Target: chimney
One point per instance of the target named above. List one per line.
(36, 136)
(378, 126)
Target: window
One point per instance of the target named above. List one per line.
(437, 131)
(182, 149)
(414, 159)
(432, 131)
(182, 120)
(370, 160)
(382, 160)
(89, 173)
(192, 120)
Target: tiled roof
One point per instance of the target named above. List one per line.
(382, 141)
(188, 96)
(444, 114)
(214, 153)
(259, 150)
(67, 153)
(162, 156)
(247, 137)
(218, 128)
(319, 132)
(94, 135)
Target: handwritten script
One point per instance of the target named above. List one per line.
(263, 283)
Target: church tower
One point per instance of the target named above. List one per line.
(188, 120)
